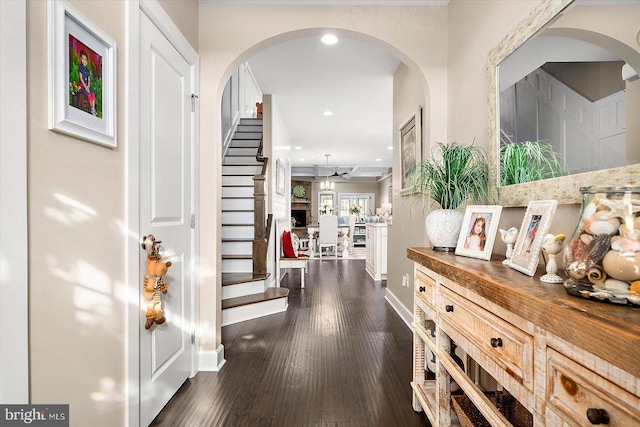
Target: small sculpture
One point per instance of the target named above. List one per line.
(509, 237)
(552, 245)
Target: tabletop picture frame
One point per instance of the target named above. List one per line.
(479, 229)
(82, 80)
(535, 224)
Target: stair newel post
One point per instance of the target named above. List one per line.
(259, 217)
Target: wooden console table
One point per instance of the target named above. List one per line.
(568, 361)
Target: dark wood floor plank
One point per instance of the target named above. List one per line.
(339, 356)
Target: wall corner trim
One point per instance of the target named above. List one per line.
(211, 360)
(405, 314)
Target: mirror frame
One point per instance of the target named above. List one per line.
(565, 189)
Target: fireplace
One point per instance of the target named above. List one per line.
(300, 216)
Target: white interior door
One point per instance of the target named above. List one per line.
(166, 187)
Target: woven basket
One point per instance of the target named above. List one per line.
(470, 416)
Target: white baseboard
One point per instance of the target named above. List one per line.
(211, 360)
(405, 314)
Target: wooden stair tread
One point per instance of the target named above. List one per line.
(245, 256)
(237, 197)
(236, 278)
(237, 185)
(237, 239)
(267, 295)
(239, 174)
(234, 224)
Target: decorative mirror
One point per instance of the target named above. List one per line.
(542, 88)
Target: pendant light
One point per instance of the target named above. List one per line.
(327, 185)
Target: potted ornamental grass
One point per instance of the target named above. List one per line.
(454, 175)
(528, 161)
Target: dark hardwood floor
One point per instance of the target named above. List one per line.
(339, 356)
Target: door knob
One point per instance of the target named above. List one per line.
(150, 244)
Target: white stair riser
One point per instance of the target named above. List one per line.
(248, 171)
(253, 311)
(246, 143)
(247, 135)
(237, 248)
(237, 191)
(250, 121)
(243, 160)
(249, 127)
(237, 265)
(242, 289)
(246, 151)
(237, 180)
(237, 218)
(237, 204)
(245, 232)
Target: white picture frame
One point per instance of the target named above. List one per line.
(88, 114)
(535, 224)
(479, 244)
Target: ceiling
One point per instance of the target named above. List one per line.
(354, 80)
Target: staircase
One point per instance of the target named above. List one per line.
(244, 295)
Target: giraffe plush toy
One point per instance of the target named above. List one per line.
(154, 287)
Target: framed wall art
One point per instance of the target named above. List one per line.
(479, 228)
(82, 84)
(535, 224)
(410, 151)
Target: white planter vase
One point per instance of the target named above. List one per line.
(443, 228)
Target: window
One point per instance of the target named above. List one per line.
(326, 203)
(364, 201)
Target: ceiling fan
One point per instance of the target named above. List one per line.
(336, 174)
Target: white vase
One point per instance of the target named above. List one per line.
(443, 228)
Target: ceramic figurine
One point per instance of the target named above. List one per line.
(552, 246)
(509, 237)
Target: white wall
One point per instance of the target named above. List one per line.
(409, 214)
(14, 330)
(277, 148)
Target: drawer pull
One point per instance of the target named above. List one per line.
(448, 308)
(597, 416)
(496, 342)
(422, 289)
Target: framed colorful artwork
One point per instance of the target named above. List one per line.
(479, 228)
(82, 84)
(535, 224)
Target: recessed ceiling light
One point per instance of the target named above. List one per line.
(329, 39)
(378, 160)
(298, 148)
(327, 113)
(390, 147)
(302, 160)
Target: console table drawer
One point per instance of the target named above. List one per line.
(510, 348)
(425, 287)
(575, 393)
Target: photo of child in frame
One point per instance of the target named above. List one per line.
(477, 232)
(85, 78)
(532, 229)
